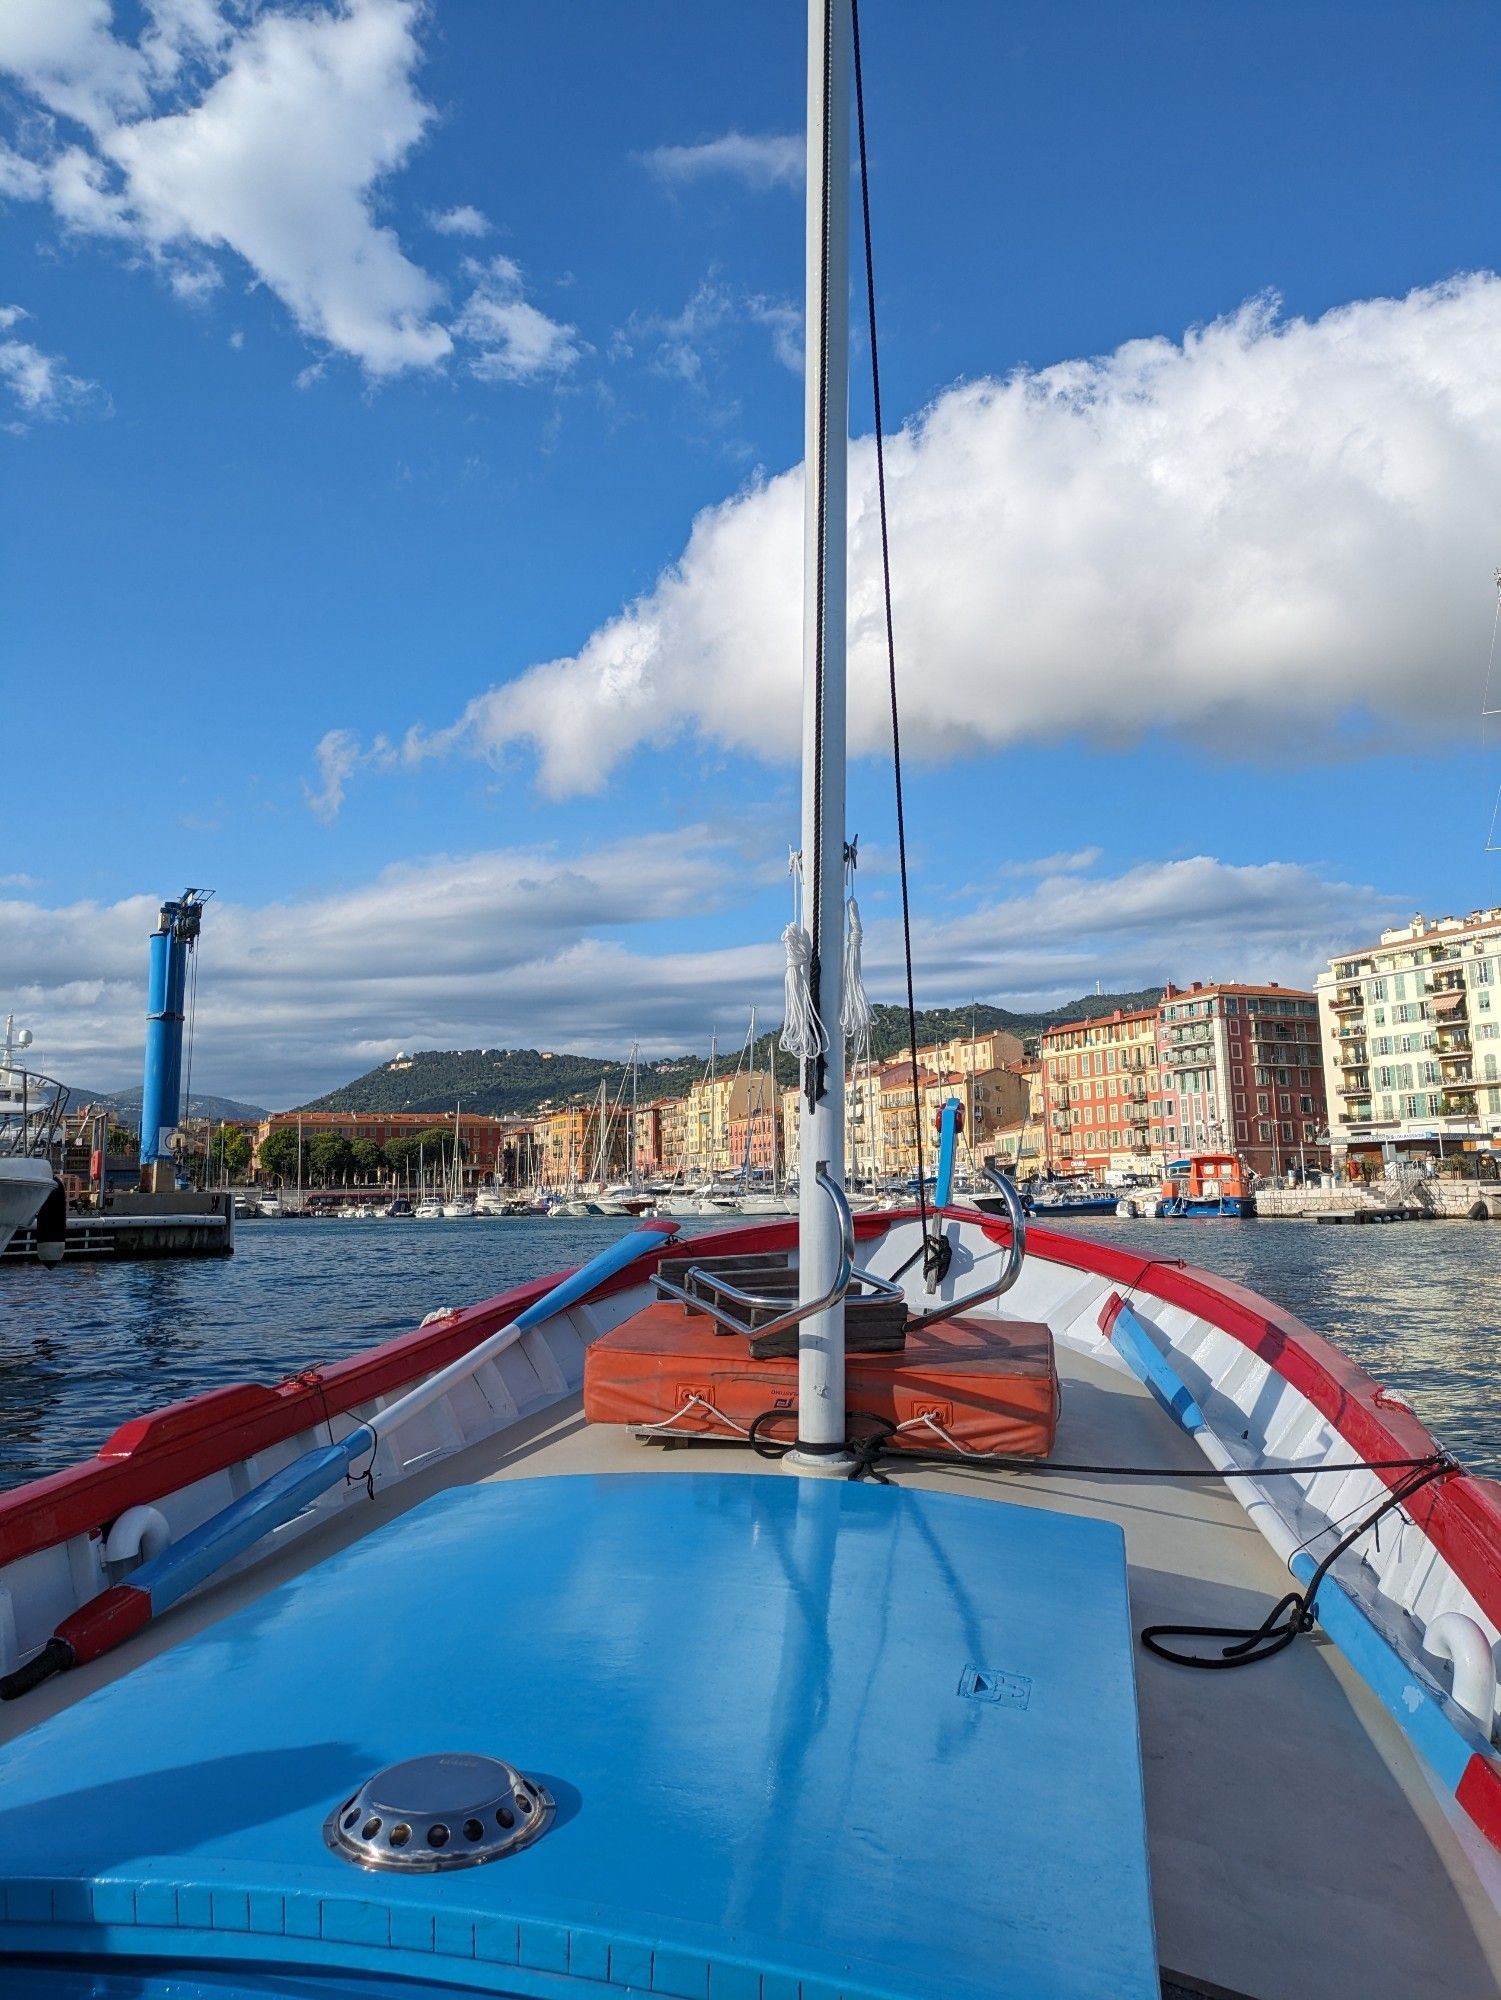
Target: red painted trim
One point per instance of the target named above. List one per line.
(160, 1452)
(1479, 1792)
(105, 1621)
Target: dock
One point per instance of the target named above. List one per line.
(139, 1227)
(1364, 1215)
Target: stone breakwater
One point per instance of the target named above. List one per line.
(1452, 1200)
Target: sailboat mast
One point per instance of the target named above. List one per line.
(826, 427)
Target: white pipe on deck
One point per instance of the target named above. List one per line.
(1459, 1640)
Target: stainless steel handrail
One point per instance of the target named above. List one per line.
(1010, 1271)
(759, 1300)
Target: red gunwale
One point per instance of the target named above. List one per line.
(156, 1454)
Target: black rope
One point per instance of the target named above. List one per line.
(1290, 1616)
(896, 726)
(814, 1076)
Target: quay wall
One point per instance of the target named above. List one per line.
(1449, 1198)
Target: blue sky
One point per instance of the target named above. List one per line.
(366, 367)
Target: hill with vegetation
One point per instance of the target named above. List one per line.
(126, 1105)
(515, 1083)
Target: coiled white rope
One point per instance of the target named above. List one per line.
(855, 1018)
(802, 1031)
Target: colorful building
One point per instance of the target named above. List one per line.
(1410, 1031)
(1104, 1111)
(1241, 1072)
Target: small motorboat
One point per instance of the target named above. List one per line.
(1207, 1186)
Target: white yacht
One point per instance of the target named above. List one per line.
(31, 1109)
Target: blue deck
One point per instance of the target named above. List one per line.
(808, 1740)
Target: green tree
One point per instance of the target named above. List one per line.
(230, 1152)
(120, 1140)
(368, 1159)
(278, 1153)
(330, 1158)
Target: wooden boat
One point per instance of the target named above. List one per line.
(754, 1618)
(1329, 1821)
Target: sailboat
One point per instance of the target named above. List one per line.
(432, 1673)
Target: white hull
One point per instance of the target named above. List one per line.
(25, 1183)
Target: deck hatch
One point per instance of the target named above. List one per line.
(710, 1673)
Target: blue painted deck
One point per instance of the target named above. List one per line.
(809, 1741)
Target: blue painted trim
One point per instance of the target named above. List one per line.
(186, 1563)
(1443, 1742)
(286, 1494)
(1145, 1362)
(948, 1147)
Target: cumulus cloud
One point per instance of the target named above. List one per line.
(269, 133)
(1272, 537)
(461, 221)
(513, 341)
(38, 383)
(532, 947)
(760, 160)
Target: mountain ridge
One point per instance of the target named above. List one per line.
(520, 1082)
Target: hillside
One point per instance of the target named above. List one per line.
(126, 1105)
(513, 1083)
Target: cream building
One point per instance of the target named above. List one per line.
(1410, 1029)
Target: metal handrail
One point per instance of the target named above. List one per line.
(1010, 1271)
(759, 1300)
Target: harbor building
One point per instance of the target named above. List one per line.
(1101, 1089)
(1241, 1072)
(498, 1147)
(1410, 1029)
(883, 1120)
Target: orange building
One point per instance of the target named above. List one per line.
(1101, 1090)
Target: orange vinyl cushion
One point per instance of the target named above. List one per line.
(991, 1384)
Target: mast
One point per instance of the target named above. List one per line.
(826, 425)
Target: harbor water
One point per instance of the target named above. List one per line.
(84, 1347)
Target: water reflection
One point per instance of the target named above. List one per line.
(85, 1347)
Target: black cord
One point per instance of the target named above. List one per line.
(896, 726)
(1289, 1616)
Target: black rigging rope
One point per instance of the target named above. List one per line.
(896, 726)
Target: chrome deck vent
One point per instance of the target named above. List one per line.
(448, 1811)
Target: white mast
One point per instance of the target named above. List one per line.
(826, 426)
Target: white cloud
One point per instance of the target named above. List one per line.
(513, 340)
(270, 133)
(530, 947)
(280, 160)
(338, 756)
(39, 383)
(765, 160)
(461, 221)
(1274, 537)
(67, 55)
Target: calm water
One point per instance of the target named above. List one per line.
(83, 1348)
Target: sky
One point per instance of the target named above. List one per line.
(400, 436)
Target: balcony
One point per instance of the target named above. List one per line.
(1455, 1104)
(1455, 1072)
(1348, 999)
(1453, 1040)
